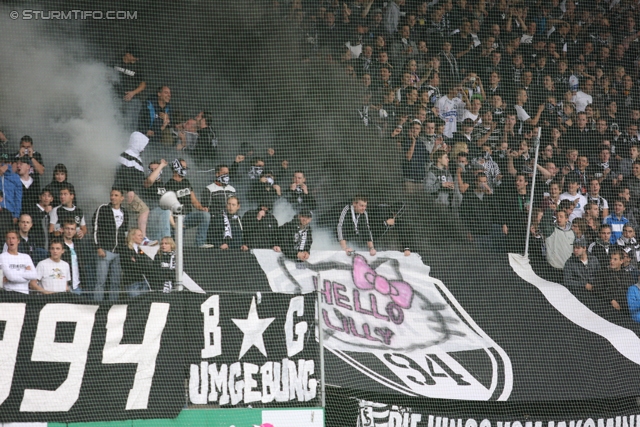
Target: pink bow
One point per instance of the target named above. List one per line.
(365, 278)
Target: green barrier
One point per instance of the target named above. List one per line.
(307, 417)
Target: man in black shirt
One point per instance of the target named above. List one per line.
(295, 238)
(260, 227)
(130, 86)
(196, 215)
(353, 227)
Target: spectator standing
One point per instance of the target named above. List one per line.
(53, 273)
(295, 237)
(137, 267)
(226, 230)
(612, 283)
(353, 227)
(58, 181)
(32, 157)
(581, 268)
(17, 268)
(77, 258)
(155, 117)
(67, 209)
(130, 86)
(216, 194)
(109, 224)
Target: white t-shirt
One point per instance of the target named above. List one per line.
(118, 215)
(53, 276)
(14, 268)
(27, 183)
(578, 210)
(449, 113)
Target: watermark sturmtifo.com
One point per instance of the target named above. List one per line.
(74, 14)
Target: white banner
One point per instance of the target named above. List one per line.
(388, 306)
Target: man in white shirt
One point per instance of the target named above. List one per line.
(54, 274)
(523, 116)
(18, 269)
(448, 106)
(581, 98)
(573, 195)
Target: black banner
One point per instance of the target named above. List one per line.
(247, 349)
(64, 359)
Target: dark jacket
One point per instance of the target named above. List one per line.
(576, 274)
(600, 250)
(105, 235)
(292, 239)
(40, 230)
(215, 197)
(613, 285)
(136, 266)
(216, 233)
(299, 200)
(149, 119)
(259, 234)
(164, 269)
(346, 229)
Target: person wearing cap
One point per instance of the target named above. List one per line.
(130, 86)
(36, 164)
(196, 215)
(260, 227)
(581, 268)
(295, 238)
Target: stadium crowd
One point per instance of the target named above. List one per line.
(462, 91)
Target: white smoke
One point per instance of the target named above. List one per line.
(52, 91)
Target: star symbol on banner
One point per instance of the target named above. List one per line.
(253, 327)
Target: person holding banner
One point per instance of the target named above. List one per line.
(353, 227)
